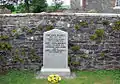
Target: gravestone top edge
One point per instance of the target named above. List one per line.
(55, 30)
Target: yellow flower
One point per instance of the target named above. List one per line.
(54, 78)
(49, 79)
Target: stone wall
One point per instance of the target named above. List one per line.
(94, 39)
(99, 6)
(4, 11)
(105, 6)
(75, 4)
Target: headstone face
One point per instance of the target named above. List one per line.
(55, 53)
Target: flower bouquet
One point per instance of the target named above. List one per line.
(54, 79)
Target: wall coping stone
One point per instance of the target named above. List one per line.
(62, 14)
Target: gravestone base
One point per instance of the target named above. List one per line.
(63, 72)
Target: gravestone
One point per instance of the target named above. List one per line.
(55, 53)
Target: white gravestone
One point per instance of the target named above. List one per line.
(55, 53)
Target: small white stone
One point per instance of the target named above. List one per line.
(10, 59)
(111, 24)
(32, 38)
(80, 20)
(17, 21)
(28, 38)
(19, 30)
(79, 35)
(68, 25)
(87, 51)
(36, 37)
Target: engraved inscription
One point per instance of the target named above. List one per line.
(55, 43)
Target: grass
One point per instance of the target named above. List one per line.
(83, 77)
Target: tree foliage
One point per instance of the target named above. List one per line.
(57, 4)
(38, 6)
(21, 8)
(8, 2)
(25, 5)
(10, 7)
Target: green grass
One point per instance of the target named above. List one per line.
(83, 77)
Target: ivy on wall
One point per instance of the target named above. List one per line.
(81, 24)
(92, 29)
(116, 25)
(98, 35)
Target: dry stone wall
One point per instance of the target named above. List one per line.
(94, 39)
